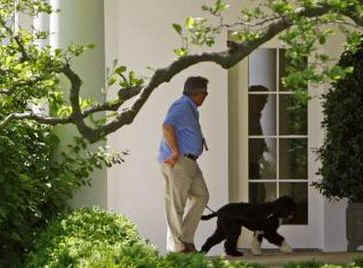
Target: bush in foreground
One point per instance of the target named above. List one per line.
(82, 237)
(37, 182)
(357, 263)
(92, 238)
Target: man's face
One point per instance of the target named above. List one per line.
(199, 98)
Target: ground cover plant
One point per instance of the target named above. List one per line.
(357, 262)
(81, 237)
(92, 238)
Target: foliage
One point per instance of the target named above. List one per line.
(358, 261)
(303, 38)
(28, 195)
(305, 264)
(82, 237)
(140, 255)
(36, 184)
(315, 264)
(341, 153)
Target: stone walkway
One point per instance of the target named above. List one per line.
(277, 259)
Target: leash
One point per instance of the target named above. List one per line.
(211, 210)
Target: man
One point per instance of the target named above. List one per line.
(181, 145)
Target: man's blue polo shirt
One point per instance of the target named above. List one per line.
(183, 115)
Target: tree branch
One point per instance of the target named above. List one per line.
(36, 117)
(226, 59)
(123, 95)
(247, 24)
(24, 54)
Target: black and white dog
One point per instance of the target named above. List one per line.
(264, 219)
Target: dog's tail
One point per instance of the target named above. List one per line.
(209, 216)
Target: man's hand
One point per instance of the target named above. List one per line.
(170, 137)
(171, 161)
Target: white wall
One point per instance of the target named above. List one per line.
(139, 34)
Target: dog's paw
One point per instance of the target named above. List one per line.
(256, 246)
(286, 248)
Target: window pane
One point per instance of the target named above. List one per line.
(262, 192)
(262, 114)
(293, 159)
(298, 191)
(262, 68)
(262, 159)
(293, 116)
(284, 65)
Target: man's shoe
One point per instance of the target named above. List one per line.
(189, 248)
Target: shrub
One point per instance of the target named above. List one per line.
(36, 185)
(29, 192)
(341, 153)
(304, 264)
(81, 238)
(143, 256)
(358, 261)
(201, 261)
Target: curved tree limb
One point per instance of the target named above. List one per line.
(123, 95)
(36, 117)
(226, 59)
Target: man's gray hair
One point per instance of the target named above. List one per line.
(195, 84)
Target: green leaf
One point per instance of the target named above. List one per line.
(181, 52)
(64, 111)
(132, 77)
(58, 51)
(121, 69)
(111, 81)
(189, 22)
(177, 28)
(322, 40)
(205, 8)
(220, 7)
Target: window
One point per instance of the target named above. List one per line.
(277, 134)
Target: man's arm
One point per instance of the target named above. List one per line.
(171, 140)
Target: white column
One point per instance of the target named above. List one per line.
(82, 22)
(41, 23)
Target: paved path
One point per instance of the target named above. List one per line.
(277, 259)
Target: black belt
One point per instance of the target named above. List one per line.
(191, 156)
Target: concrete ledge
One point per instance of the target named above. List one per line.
(277, 259)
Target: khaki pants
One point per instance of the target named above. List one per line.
(186, 196)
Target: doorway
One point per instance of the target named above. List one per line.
(271, 144)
